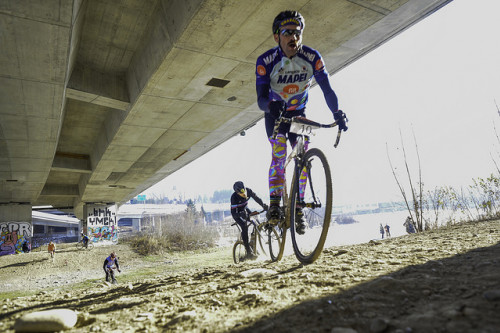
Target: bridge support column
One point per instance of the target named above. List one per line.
(100, 222)
(16, 227)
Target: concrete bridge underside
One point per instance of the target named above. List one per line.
(99, 100)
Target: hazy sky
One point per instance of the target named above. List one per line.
(439, 79)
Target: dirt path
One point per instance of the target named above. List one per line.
(446, 280)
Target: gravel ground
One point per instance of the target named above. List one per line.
(447, 280)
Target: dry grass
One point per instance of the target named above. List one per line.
(169, 233)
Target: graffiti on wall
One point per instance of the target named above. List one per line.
(103, 233)
(101, 223)
(13, 235)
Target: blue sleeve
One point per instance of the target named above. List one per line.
(263, 96)
(330, 96)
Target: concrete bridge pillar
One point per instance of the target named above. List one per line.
(100, 222)
(16, 227)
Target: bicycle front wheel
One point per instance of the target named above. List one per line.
(239, 252)
(79, 245)
(311, 193)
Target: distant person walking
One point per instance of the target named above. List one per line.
(52, 250)
(26, 247)
(410, 228)
(382, 232)
(387, 230)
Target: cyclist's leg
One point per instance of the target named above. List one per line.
(244, 233)
(277, 169)
(278, 158)
(303, 174)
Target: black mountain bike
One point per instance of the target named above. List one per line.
(311, 190)
(81, 246)
(257, 240)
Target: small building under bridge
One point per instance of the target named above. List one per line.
(135, 217)
(54, 227)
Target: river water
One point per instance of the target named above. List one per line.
(367, 228)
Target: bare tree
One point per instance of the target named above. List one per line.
(416, 197)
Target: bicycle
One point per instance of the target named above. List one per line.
(81, 246)
(256, 236)
(311, 190)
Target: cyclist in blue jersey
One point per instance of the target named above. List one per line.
(240, 211)
(283, 77)
(85, 240)
(110, 264)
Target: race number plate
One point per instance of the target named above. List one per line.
(303, 129)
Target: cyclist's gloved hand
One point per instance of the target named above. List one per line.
(276, 108)
(265, 207)
(340, 118)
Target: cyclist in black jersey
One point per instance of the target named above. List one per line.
(283, 77)
(240, 211)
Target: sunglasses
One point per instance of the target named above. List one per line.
(290, 32)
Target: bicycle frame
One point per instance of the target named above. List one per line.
(250, 222)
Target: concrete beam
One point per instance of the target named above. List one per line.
(15, 213)
(80, 164)
(106, 89)
(60, 190)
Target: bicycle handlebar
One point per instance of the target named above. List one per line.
(305, 121)
(256, 212)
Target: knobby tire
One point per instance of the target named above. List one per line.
(276, 242)
(239, 252)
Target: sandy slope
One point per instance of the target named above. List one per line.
(446, 280)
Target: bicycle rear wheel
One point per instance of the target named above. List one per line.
(275, 237)
(90, 245)
(239, 252)
(313, 178)
(262, 243)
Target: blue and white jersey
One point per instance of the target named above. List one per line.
(290, 79)
(110, 262)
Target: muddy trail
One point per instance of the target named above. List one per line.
(446, 280)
